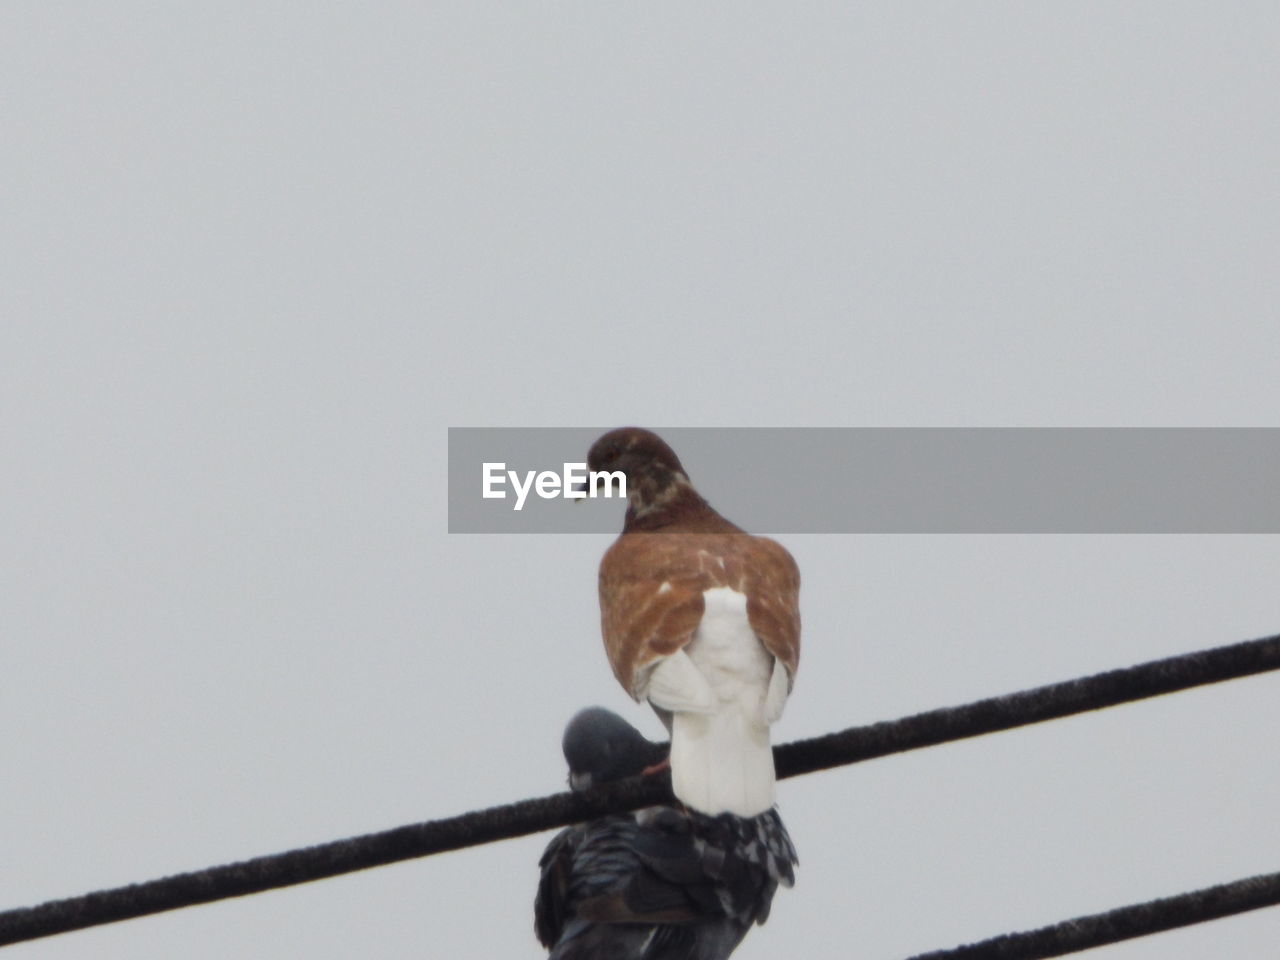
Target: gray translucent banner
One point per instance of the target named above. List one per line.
(894, 480)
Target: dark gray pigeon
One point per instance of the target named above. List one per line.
(662, 883)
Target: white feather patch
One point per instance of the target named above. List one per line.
(722, 762)
(677, 685)
(779, 688)
(721, 759)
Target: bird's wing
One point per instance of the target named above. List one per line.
(773, 599)
(551, 901)
(650, 605)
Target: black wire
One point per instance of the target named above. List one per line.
(1030, 706)
(545, 813)
(1123, 923)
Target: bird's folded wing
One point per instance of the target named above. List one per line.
(676, 684)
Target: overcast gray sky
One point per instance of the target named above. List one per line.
(256, 258)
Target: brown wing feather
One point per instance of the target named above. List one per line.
(641, 621)
(651, 587)
(773, 602)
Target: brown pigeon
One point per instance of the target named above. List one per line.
(700, 619)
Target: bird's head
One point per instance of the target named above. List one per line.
(652, 470)
(601, 747)
(635, 452)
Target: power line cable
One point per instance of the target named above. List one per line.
(1051, 702)
(545, 813)
(1123, 923)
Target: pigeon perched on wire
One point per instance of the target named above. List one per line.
(662, 883)
(700, 619)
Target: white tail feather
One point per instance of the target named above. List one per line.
(722, 762)
(722, 691)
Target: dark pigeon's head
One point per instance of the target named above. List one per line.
(601, 747)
